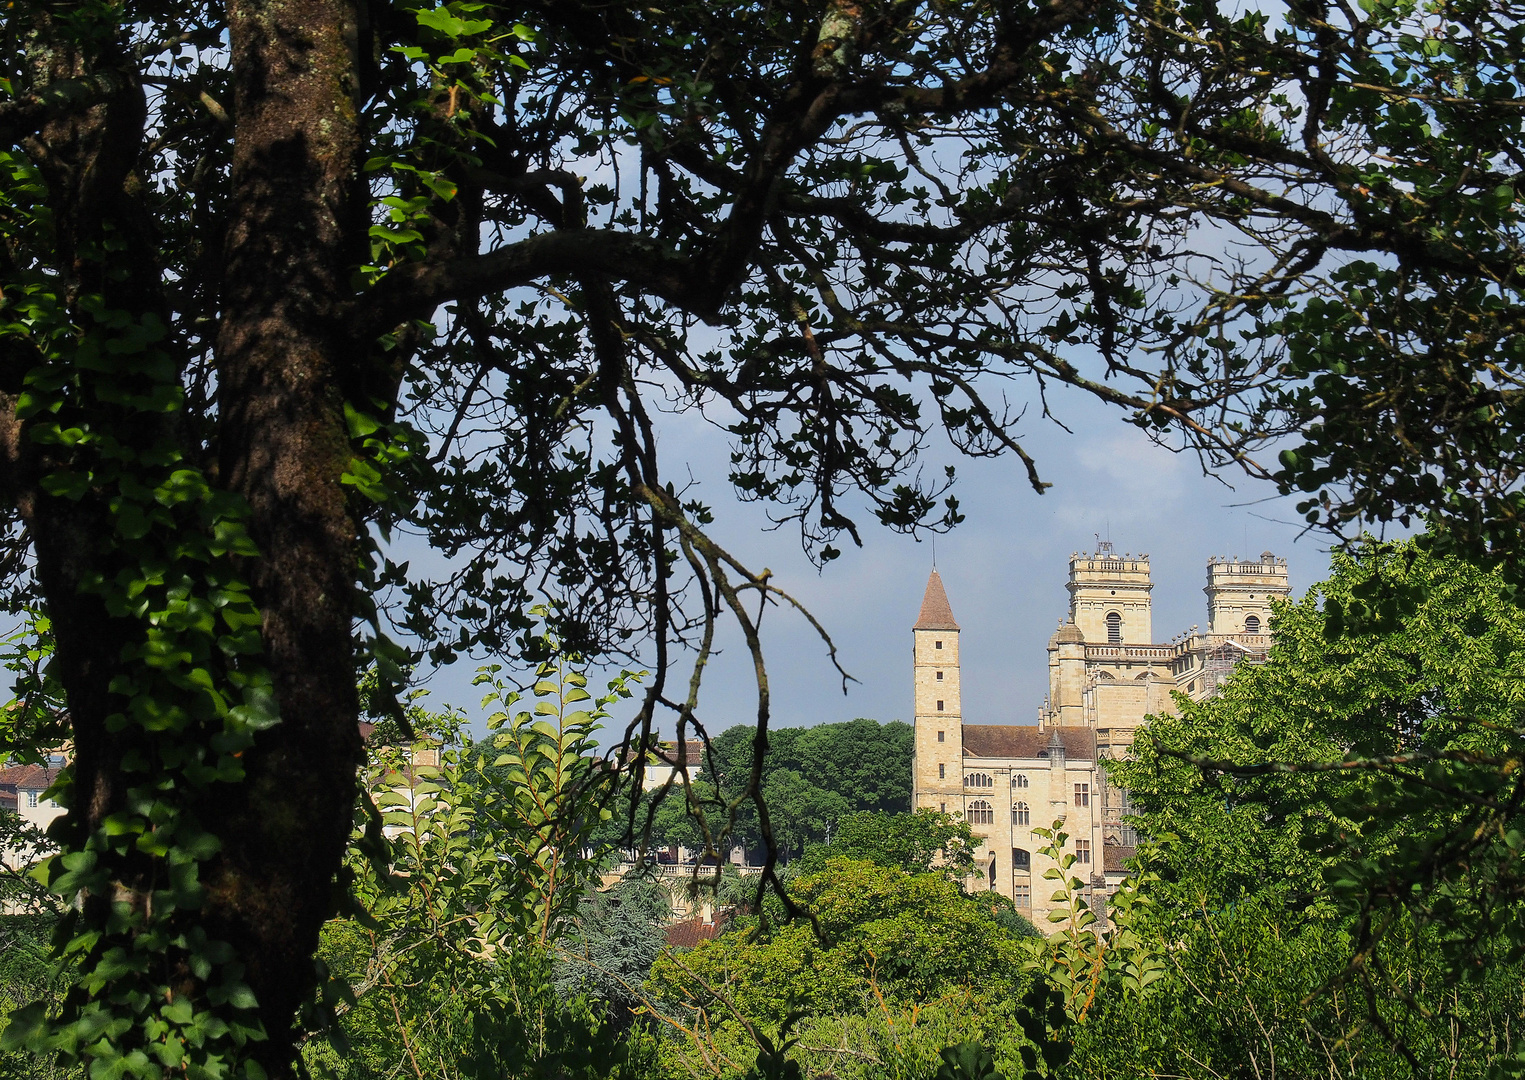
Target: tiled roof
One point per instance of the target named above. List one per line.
(693, 753)
(28, 778)
(666, 752)
(689, 932)
(1114, 855)
(936, 614)
(1014, 741)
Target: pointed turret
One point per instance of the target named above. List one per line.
(937, 767)
(936, 613)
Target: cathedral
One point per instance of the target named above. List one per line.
(1105, 675)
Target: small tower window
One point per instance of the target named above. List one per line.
(940, 735)
(939, 676)
(1251, 626)
(1114, 628)
(1082, 794)
(1083, 852)
(939, 704)
(942, 772)
(937, 644)
(1021, 815)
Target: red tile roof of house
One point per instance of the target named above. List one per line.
(689, 932)
(936, 613)
(1113, 856)
(28, 778)
(1017, 741)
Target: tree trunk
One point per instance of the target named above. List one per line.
(296, 231)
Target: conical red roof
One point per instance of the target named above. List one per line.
(936, 614)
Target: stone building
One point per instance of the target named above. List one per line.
(1106, 674)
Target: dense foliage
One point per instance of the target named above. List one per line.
(812, 779)
(894, 967)
(1350, 764)
(923, 842)
(469, 871)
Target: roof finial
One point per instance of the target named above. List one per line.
(934, 553)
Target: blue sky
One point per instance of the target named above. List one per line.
(1004, 568)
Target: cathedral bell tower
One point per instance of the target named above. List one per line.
(1239, 593)
(937, 768)
(1109, 597)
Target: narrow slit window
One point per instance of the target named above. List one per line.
(1114, 628)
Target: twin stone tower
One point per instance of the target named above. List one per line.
(1105, 675)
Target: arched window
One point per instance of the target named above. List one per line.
(981, 813)
(1020, 814)
(1114, 628)
(1021, 859)
(1252, 624)
(979, 780)
(1018, 779)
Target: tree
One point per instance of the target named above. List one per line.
(1348, 762)
(894, 967)
(811, 778)
(277, 279)
(619, 935)
(469, 874)
(924, 842)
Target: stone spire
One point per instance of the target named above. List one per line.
(936, 613)
(937, 764)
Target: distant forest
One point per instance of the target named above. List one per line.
(815, 776)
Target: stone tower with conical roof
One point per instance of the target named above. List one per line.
(937, 769)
